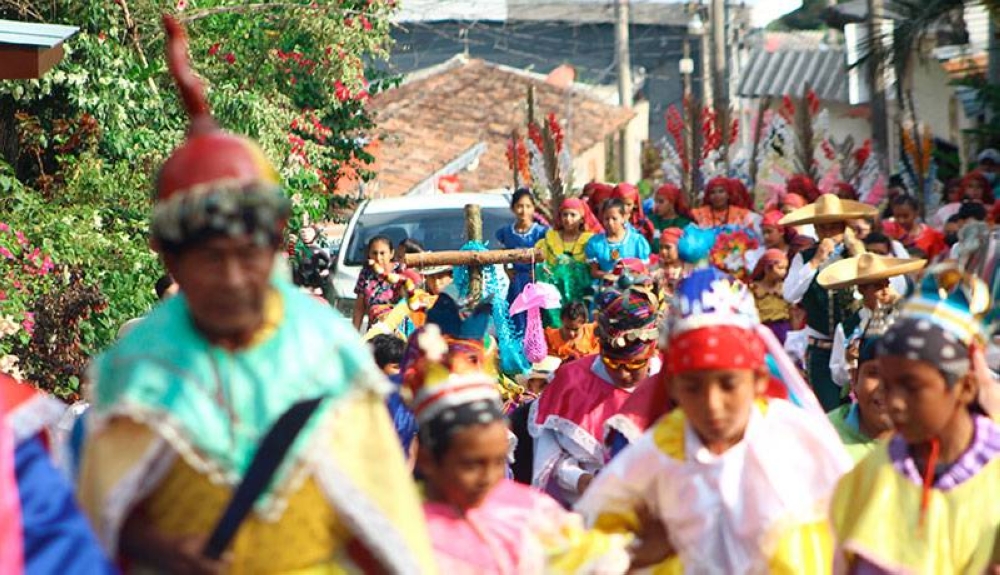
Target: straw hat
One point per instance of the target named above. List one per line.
(866, 268)
(827, 209)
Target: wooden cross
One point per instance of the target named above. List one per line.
(473, 260)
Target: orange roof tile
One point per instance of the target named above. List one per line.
(430, 121)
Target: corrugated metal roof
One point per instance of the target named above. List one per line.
(35, 35)
(781, 71)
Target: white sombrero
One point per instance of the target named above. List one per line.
(866, 268)
(827, 209)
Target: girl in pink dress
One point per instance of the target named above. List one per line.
(480, 522)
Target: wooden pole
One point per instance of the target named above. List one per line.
(472, 259)
(474, 233)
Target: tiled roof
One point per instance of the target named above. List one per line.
(436, 117)
(785, 64)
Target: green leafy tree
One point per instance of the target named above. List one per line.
(79, 148)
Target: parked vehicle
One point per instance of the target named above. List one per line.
(436, 221)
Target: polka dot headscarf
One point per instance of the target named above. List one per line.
(922, 340)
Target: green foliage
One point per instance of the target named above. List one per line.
(91, 134)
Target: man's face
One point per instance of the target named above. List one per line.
(875, 293)
(626, 373)
(225, 281)
(834, 231)
(878, 248)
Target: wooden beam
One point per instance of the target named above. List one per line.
(474, 233)
(28, 63)
(462, 258)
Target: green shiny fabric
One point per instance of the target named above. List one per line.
(218, 403)
(858, 444)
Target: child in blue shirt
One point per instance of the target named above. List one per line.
(619, 241)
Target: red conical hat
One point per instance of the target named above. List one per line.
(209, 154)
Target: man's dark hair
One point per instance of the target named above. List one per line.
(574, 311)
(162, 285)
(387, 349)
(972, 211)
(877, 238)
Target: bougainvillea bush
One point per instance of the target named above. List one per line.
(79, 148)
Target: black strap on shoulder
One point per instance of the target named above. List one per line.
(270, 453)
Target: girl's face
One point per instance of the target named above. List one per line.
(861, 228)
(475, 461)
(668, 253)
(381, 253)
(773, 237)
(778, 271)
(718, 403)
(614, 221)
(919, 402)
(974, 192)
(437, 283)
(570, 219)
(524, 209)
(905, 216)
(870, 394)
(663, 208)
(718, 198)
(629, 206)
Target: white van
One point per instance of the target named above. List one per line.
(437, 221)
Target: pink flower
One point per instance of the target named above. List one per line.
(20, 238)
(214, 49)
(230, 58)
(181, 5)
(3, 295)
(365, 23)
(6, 253)
(29, 322)
(341, 92)
(4, 227)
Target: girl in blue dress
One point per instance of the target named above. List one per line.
(523, 233)
(619, 241)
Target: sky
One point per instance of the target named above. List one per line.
(764, 11)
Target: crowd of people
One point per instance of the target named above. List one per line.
(808, 388)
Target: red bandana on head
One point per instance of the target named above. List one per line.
(714, 347)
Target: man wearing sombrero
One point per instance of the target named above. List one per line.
(870, 274)
(182, 405)
(824, 308)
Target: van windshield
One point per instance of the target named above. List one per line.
(436, 230)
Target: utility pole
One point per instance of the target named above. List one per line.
(720, 75)
(876, 78)
(625, 168)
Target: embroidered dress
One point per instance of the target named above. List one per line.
(876, 510)
(923, 237)
(519, 531)
(753, 509)
(567, 423)
(564, 266)
(178, 426)
(735, 216)
(512, 239)
(774, 311)
(606, 254)
(378, 293)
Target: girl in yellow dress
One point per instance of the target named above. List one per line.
(565, 263)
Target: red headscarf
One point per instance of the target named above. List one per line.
(979, 178)
(802, 185)
(713, 348)
(675, 196)
(578, 205)
(769, 259)
(741, 196)
(671, 236)
(596, 194)
(771, 218)
(723, 182)
(845, 191)
(629, 193)
(794, 201)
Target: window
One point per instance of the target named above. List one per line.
(436, 230)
